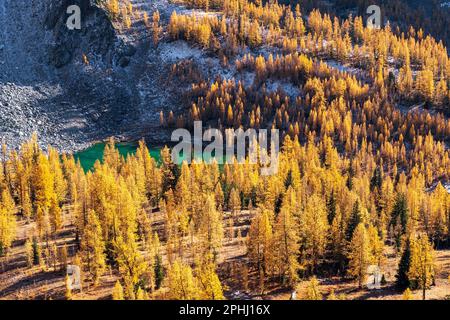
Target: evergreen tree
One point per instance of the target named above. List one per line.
(36, 252)
(331, 208)
(355, 220)
(159, 272)
(402, 278)
(400, 217)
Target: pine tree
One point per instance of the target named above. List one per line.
(331, 208)
(141, 294)
(159, 272)
(402, 278)
(36, 252)
(60, 183)
(400, 217)
(355, 220)
(43, 182)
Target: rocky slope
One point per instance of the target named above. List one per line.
(46, 88)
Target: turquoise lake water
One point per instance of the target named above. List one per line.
(89, 156)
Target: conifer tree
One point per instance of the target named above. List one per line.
(36, 252)
(141, 294)
(359, 254)
(235, 201)
(60, 183)
(55, 215)
(93, 247)
(312, 290)
(168, 170)
(286, 240)
(402, 278)
(400, 217)
(211, 228)
(376, 246)
(355, 220)
(313, 231)
(29, 252)
(7, 222)
(156, 27)
(181, 282)
(68, 294)
(209, 283)
(422, 268)
(117, 293)
(260, 240)
(331, 208)
(131, 264)
(407, 294)
(43, 183)
(159, 272)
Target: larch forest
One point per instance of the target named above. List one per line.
(363, 179)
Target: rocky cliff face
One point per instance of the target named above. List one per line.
(44, 85)
(97, 36)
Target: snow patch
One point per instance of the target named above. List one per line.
(447, 187)
(247, 78)
(342, 67)
(179, 50)
(287, 87)
(198, 13)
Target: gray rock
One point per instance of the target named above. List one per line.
(124, 62)
(60, 56)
